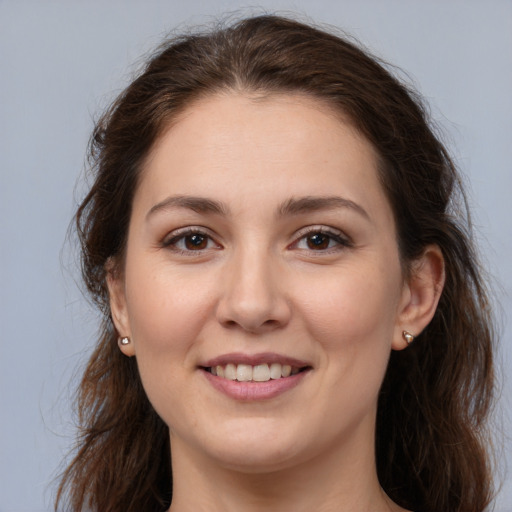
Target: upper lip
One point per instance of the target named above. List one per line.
(254, 359)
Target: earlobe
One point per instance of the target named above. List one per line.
(118, 308)
(420, 296)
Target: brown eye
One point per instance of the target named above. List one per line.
(195, 242)
(322, 240)
(191, 240)
(318, 241)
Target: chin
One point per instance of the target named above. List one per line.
(256, 461)
(259, 448)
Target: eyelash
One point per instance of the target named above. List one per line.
(341, 240)
(180, 236)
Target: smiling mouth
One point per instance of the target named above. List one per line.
(257, 373)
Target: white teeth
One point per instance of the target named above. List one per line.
(258, 373)
(230, 372)
(261, 373)
(244, 372)
(275, 371)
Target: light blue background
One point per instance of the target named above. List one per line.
(62, 61)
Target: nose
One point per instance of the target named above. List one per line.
(252, 296)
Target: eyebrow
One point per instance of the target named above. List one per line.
(298, 206)
(290, 207)
(196, 204)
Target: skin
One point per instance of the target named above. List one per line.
(258, 283)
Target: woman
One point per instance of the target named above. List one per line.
(294, 318)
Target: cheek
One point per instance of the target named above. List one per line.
(166, 309)
(352, 314)
(167, 312)
(352, 308)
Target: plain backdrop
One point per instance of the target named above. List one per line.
(61, 62)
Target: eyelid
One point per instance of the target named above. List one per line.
(342, 239)
(177, 234)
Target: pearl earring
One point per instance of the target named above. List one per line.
(408, 337)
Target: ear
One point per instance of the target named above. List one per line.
(118, 307)
(420, 295)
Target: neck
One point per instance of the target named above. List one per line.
(329, 482)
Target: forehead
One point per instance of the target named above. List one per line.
(233, 146)
(272, 120)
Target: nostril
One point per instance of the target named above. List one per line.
(256, 313)
(272, 324)
(252, 325)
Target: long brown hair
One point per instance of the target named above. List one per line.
(431, 444)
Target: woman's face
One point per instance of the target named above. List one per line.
(261, 239)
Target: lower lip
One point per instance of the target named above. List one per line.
(252, 391)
